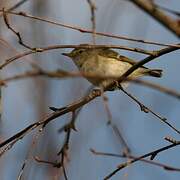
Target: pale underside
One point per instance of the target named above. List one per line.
(99, 65)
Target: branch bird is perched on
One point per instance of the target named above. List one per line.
(107, 62)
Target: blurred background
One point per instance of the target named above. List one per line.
(26, 101)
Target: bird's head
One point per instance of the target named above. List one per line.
(76, 54)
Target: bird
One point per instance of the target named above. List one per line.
(107, 62)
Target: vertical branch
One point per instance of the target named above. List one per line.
(126, 149)
(93, 19)
(32, 146)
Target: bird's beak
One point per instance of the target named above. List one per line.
(66, 54)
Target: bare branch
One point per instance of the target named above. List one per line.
(147, 110)
(52, 116)
(164, 166)
(14, 31)
(158, 87)
(93, 19)
(153, 153)
(158, 15)
(17, 5)
(54, 47)
(60, 74)
(82, 30)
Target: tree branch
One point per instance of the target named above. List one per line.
(158, 15)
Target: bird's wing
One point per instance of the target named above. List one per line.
(106, 52)
(125, 59)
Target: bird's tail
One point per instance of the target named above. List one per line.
(154, 72)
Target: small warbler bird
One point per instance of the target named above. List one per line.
(107, 62)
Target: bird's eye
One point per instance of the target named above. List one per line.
(80, 51)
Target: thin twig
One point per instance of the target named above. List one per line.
(93, 19)
(22, 170)
(50, 117)
(75, 113)
(33, 143)
(114, 126)
(147, 110)
(151, 154)
(171, 140)
(14, 31)
(82, 30)
(59, 74)
(164, 166)
(127, 149)
(37, 159)
(17, 5)
(54, 47)
(158, 87)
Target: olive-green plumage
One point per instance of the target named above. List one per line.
(106, 62)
